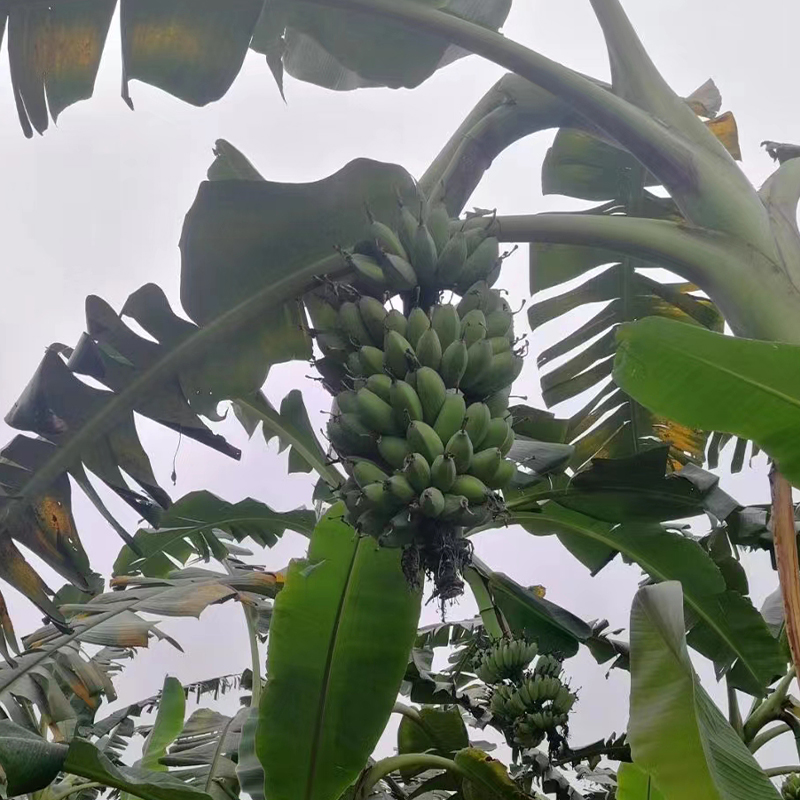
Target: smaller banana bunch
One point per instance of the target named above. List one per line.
(791, 788)
(531, 705)
(427, 250)
(505, 660)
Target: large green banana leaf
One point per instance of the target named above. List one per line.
(248, 250)
(610, 424)
(341, 633)
(194, 49)
(748, 388)
(676, 732)
(726, 625)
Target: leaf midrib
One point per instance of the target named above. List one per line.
(650, 569)
(326, 676)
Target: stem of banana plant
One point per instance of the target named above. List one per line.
(78, 787)
(255, 655)
(776, 772)
(395, 763)
(734, 713)
(784, 537)
(490, 615)
(793, 724)
(763, 738)
(769, 710)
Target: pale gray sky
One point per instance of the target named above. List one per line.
(96, 206)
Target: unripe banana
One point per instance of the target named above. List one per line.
(324, 316)
(517, 704)
(377, 414)
(548, 666)
(418, 471)
(380, 385)
(503, 473)
(447, 324)
(350, 436)
(791, 788)
(476, 423)
(473, 299)
(564, 700)
(372, 523)
(451, 416)
(431, 502)
(459, 446)
(424, 255)
(500, 344)
(503, 370)
(366, 472)
(394, 450)
(480, 262)
(397, 353)
(474, 489)
(473, 327)
(407, 229)
(498, 402)
(429, 349)
(454, 364)
(432, 393)
(475, 236)
(499, 323)
(443, 473)
(334, 345)
(508, 443)
(368, 269)
(377, 497)
(395, 321)
(386, 239)
(401, 488)
(353, 365)
(496, 433)
(371, 360)
(479, 360)
(484, 464)
(418, 323)
(454, 506)
(400, 274)
(451, 260)
(345, 403)
(438, 222)
(423, 439)
(405, 402)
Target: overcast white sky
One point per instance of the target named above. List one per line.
(96, 206)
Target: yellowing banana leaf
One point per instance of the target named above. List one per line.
(728, 619)
(676, 732)
(739, 386)
(346, 50)
(345, 621)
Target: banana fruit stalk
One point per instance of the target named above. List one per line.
(420, 418)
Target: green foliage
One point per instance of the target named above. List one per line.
(687, 745)
(346, 619)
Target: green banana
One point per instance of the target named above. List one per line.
(500, 323)
(429, 349)
(372, 523)
(386, 239)
(394, 450)
(432, 393)
(503, 370)
(353, 365)
(344, 439)
(447, 324)
(480, 262)
(418, 323)
(498, 402)
(418, 471)
(334, 345)
(345, 403)
(323, 314)
(484, 465)
(443, 472)
(451, 416)
(476, 423)
(451, 260)
(438, 221)
(401, 488)
(368, 269)
(454, 505)
(407, 229)
(371, 360)
(395, 321)
(377, 497)
(503, 473)
(473, 327)
(352, 324)
(495, 434)
(377, 414)
(366, 472)
(474, 489)
(423, 439)
(431, 502)
(500, 344)
(508, 442)
(380, 385)
(459, 446)
(424, 255)
(397, 353)
(373, 315)
(475, 236)
(454, 364)
(474, 299)
(479, 360)
(400, 275)
(405, 402)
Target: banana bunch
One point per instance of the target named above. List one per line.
(531, 705)
(427, 250)
(506, 659)
(791, 788)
